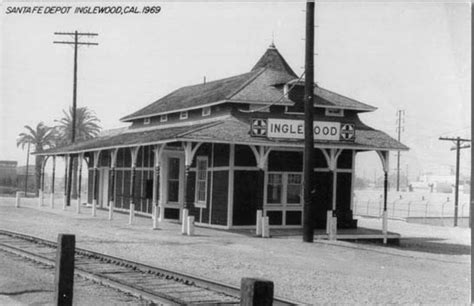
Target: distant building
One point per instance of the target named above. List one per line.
(20, 177)
(8, 172)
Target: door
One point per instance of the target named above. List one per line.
(173, 185)
(104, 188)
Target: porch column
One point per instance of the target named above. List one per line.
(96, 183)
(41, 186)
(66, 157)
(52, 182)
(157, 209)
(134, 152)
(331, 220)
(113, 164)
(385, 163)
(79, 182)
(189, 152)
(261, 155)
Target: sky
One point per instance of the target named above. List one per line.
(392, 55)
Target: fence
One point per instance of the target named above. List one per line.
(408, 206)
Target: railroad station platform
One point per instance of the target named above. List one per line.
(312, 273)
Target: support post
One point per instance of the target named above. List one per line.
(96, 187)
(156, 185)
(256, 292)
(385, 213)
(265, 227)
(113, 164)
(134, 152)
(131, 215)
(190, 226)
(456, 190)
(52, 182)
(258, 230)
(43, 165)
(79, 182)
(64, 277)
(184, 221)
(17, 200)
(65, 181)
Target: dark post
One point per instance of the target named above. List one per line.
(385, 188)
(261, 187)
(256, 292)
(27, 164)
(112, 185)
(96, 185)
(64, 278)
(54, 174)
(79, 179)
(186, 205)
(308, 231)
(456, 190)
(65, 174)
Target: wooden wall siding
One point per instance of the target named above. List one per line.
(244, 156)
(221, 155)
(143, 200)
(323, 196)
(118, 189)
(195, 114)
(343, 201)
(190, 194)
(345, 160)
(122, 188)
(104, 158)
(220, 189)
(124, 157)
(319, 159)
(245, 197)
(285, 161)
(145, 157)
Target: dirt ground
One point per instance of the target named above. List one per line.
(431, 265)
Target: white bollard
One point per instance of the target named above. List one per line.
(111, 210)
(155, 216)
(265, 227)
(132, 214)
(18, 196)
(94, 204)
(52, 200)
(190, 226)
(184, 221)
(328, 221)
(78, 207)
(40, 198)
(258, 229)
(385, 226)
(333, 232)
(161, 213)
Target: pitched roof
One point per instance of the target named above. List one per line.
(272, 59)
(329, 98)
(228, 130)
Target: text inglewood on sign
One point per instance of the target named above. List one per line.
(294, 129)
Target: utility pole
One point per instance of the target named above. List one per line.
(458, 142)
(308, 168)
(76, 44)
(400, 114)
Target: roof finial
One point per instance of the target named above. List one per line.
(272, 45)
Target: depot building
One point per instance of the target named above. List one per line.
(227, 148)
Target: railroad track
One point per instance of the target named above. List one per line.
(157, 285)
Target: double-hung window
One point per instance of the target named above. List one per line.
(284, 188)
(201, 181)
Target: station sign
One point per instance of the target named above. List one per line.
(294, 129)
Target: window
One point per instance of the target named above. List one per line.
(293, 189)
(206, 111)
(163, 118)
(284, 188)
(334, 112)
(146, 121)
(201, 181)
(173, 179)
(183, 115)
(274, 188)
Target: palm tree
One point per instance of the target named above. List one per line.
(87, 127)
(43, 137)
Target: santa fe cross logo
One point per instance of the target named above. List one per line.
(259, 127)
(348, 132)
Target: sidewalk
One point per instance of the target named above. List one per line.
(431, 265)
